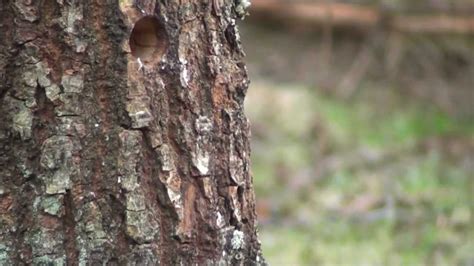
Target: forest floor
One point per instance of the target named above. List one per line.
(357, 183)
(381, 178)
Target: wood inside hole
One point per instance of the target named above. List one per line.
(148, 40)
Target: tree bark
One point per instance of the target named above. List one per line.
(123, 138)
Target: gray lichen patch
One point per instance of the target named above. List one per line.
(71, 14)
(129, 182)
(55, 152)
(144, 254)
(56, 158)
(92, 236)
(141, 227)
(166, 158)
(184, 46)
(4, 255)
(59, 182)
(135, 200)
(32, 76)
(94, 229)
(91, 223)
(201, 160)
(139, 112)
(130, 144)
(52, 92)
(68, 100)
(20, 115)
(140, 223)
(203, 125)
(237, 242)
(49, 260)
(37, 75)
(80, 45)
(201, 154)
(73, 83)
(71, 104)
(184, 74)
(241, 8)
(130, 155)
(71, 126)
(52, 205)
(23, 121)
(42, 72)
(28, 10)
(45, 242)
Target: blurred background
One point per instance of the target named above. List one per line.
(362, 119)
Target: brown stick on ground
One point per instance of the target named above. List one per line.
(363, 17)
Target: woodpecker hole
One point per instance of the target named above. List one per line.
(148, 40)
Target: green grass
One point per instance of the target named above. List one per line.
(357, 123)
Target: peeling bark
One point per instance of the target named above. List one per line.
(123, 138)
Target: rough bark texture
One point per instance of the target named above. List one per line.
(119, 155)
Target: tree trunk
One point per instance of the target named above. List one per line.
(122, 137)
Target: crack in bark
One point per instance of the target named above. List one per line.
(69, 230)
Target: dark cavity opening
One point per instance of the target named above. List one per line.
(148, 40)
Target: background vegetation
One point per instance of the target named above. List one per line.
(375, 173)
